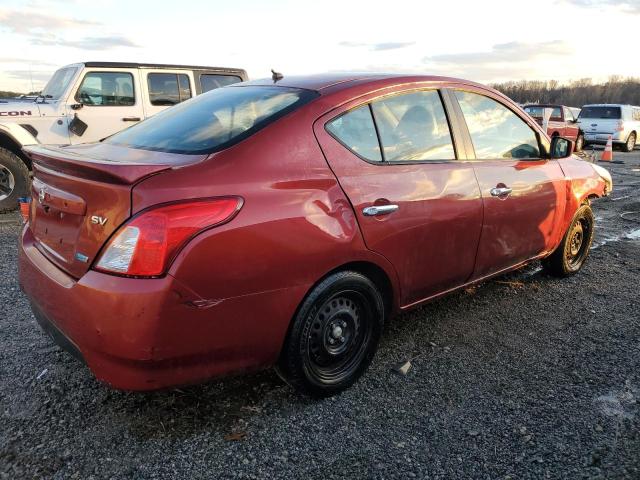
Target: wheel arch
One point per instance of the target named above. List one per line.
(13, 137)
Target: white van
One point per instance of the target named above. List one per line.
(622, 122)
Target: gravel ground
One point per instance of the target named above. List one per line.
(523, 377)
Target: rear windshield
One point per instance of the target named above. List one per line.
(213, 121)
(538, 112)
(601, 112)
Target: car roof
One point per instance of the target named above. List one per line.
(239, 71)
(342, 81)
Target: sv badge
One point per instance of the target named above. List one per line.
(96, 220)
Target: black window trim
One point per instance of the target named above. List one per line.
(133, 85)
(384, 161)
(177, 82)
(543, 149)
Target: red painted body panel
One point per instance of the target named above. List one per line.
(228, 298)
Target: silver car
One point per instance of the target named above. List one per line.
(622, 122)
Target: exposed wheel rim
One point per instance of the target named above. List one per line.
(7, 183)
(339, 336)
(578, 243)
(631, 142)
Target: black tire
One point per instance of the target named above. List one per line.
(333, 336)
(579, 143)
(574, 248)
(630, 144)
(14, 180)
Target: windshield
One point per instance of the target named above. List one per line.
(59, 83)
(601, 112)
(214, 120)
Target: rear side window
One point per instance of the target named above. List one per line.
(636, 114)
(213, 121)
(413, 127)
(113, 89)
(602, 112)
(356, 131)
(209, 81)
(168, 88)
(496, 132)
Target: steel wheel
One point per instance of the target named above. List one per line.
(573, 251)
(579, 143)
(340, 330)
(7, 183)
(334, 335)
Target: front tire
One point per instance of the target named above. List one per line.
(14, 180)
(334, 335)
(579, 143)
(574, 248)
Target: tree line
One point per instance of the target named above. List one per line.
(8, 94)
(575, 93)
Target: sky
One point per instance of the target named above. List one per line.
(487, 41)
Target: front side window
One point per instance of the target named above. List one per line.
(496, 132)
(210, 81)
(168, 88)
(568, 115)
(113, 89)
(356, 131)
(413, 127)
(213, 121)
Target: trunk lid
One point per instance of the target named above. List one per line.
(82, 194)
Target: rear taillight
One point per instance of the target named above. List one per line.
(146, 245)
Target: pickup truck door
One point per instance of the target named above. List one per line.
(570, 125)
(104, 102)
(523, 194)
(416, 204)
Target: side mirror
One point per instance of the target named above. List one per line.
(561, 147)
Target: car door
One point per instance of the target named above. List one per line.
(107, 101)
(415, 203)
(523, 192)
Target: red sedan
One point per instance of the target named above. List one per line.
(282, 222)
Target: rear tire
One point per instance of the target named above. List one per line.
(630, 143)
(334, 335)
(14, 180)
(569, 257)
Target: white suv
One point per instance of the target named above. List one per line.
(86, 102)
(622, 122)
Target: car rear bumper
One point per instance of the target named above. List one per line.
(602, 138)
(146, 334)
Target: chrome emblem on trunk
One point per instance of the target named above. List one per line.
(96, 220)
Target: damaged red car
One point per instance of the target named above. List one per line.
(281, 222)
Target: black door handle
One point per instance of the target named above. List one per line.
(131, 119)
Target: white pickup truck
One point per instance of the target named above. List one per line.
(86, 102)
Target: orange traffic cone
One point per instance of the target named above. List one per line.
(24, 208)
(607, 155)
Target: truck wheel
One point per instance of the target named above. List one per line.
(573, 251)
(631, 143)
(14, 180)
(334, 335)
(579, 143)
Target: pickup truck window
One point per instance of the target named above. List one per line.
(496, 132)
(213, 122)
(168, 88)
(210, 82)
(113, 89)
